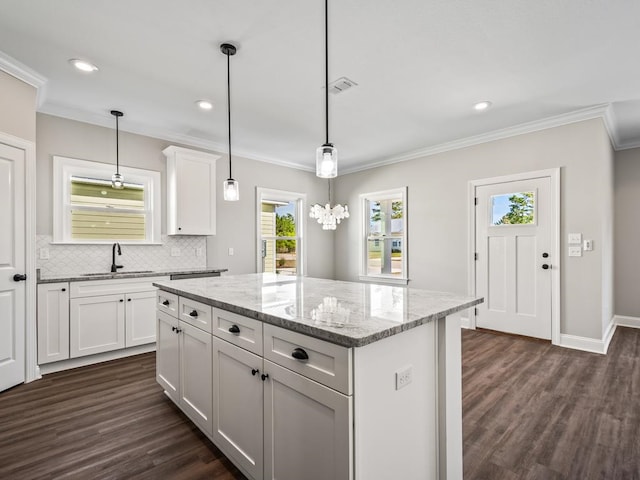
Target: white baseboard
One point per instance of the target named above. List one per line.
(608, 334)
(624, 321)
(586, 344)
(97, 358)
(465, 322)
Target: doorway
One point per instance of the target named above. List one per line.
(515, 258)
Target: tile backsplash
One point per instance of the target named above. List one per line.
(70, 259)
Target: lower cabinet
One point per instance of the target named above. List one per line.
(183, 368)
(140, 311)
(96, 324)
(53, 322)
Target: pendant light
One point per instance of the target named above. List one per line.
(326, 154)
(231, 187)
(117, 180)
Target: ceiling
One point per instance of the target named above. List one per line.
(420, 65)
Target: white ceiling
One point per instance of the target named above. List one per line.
(420, 66)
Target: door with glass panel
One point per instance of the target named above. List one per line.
(514, 256)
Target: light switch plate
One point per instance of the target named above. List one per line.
(575, 238)
(588, 245)
(231, 251)
(575, 251)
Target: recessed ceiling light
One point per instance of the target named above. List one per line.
(204, 104)
(83, 65)
(480, 106)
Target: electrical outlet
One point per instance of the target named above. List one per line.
(231, 251)
(44, 254)
(575, 251)
(588, 245)
(404, 376)
(175, 252)
(199, 252)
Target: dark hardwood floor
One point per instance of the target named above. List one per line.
(535, 411)
(531, 411)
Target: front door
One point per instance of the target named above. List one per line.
(514, 256)
(12, 263)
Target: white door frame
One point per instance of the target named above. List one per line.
(554, 175)
(32, 372)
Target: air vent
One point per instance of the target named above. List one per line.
(340, 85)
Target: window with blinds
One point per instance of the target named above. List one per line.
(100, 212)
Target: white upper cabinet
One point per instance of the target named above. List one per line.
(191, 192)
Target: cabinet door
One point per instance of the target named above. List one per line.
(140, 318)
(195, 376)
(238, 406)
(53, 322)
(307, 428)
(168, 355)
(96, 324)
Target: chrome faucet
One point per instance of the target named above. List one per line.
(114, 267)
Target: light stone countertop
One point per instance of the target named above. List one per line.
(344, 313)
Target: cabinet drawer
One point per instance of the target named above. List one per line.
(242, 331)
(195, 313)
(326, 363)
(167, 303)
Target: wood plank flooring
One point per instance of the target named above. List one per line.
(531, 411)
(535, 411)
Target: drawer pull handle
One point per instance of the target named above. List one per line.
(299, 354)
(193, 313)
(234, 329)
(166, 303)
(254, 371)
(264, 376)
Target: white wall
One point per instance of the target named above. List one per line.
(17, 107)
(236, 221)
(438, 213)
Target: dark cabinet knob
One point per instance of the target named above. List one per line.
(19, 277)
(264, 376)
(546, 267)
(128, 299)
(234, 329)
(254, 371)
(122, 300)
(299, 354)
(178, 330)
(166, 303)
(193, 313)
(173, 329)
(64, 289)
(179, 228)
(545, 255)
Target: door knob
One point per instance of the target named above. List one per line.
(545, 255)
(545, 266)
(19, 277)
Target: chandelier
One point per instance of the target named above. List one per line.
(329, 217)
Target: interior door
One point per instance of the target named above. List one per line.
(514, 257)
(12, 266)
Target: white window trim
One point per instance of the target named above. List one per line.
(301, 225)
(64, 167)
(383, 278)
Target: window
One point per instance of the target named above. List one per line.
(513, 209)
(280, 231)
(88, 210)
(384, 236)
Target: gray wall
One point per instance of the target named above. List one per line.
(236, 222)
(627, 231)
(438, 213)
(17, 107)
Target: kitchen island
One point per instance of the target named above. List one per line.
(297, 377)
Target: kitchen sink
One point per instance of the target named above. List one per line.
(110, 274)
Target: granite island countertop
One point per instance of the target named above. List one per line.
(160, 272)
(350, 314)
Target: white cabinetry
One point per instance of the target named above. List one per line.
(53, 322)
(183, 364)
(191, 192)
(108, 315)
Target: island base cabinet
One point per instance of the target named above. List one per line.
(238, 406)
(195, 375)
(307, 428)
(168, 355)
(96, 324)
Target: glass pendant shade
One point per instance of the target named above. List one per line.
(327, 161)
(231, 190)
(117, 181)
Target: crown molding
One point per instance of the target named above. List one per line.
(26, 74)
(186, 140)
(599, 111)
